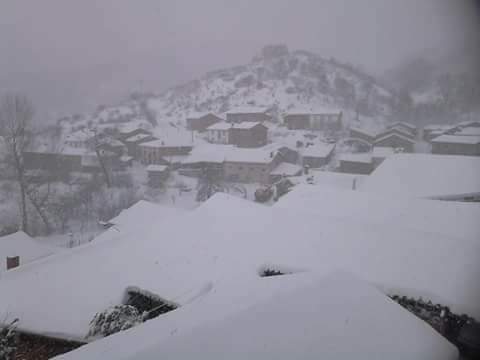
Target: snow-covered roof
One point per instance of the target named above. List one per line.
(404, 124)
(331, 324)
(208, 153)
(199, 114)
(382, 151)
(137, 137)
(139, 124)
(469, 131)
(468, 123)
(287, 169)
(432, 127)
(246, 125)
(367, 132)
(263, 155)
(156, 168)
(318, 150)
(22, 245)
(426, 175)
(220, 126)
(207, 261)
(336, 180)
(394, 133)
(358, 158)
(457, 139)
(140, 210)
(248, 110)
(167, 141)
(313, 110)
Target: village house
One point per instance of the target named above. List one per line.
(285, 170)
(251, 114)
(159, 151)
(157, 174)
(134, 141)
(219, 133)
(356, 163)
(362, 134)
(395, 139)
(326, 121)
(128, 131)
(250, 165)
(286, 153)
(206, 158)
(248, 134)
(200, 123)
(456, 145)
(318, 155)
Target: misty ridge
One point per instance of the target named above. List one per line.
(239, 180)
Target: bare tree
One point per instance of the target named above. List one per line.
(16, 113)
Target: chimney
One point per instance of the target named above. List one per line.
(13, 262)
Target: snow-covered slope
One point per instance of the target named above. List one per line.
(276, 79)
(282, 81)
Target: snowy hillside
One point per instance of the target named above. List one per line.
(279, 80)
(276, 79)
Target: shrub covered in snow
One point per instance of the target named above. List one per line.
(114, 319)
(8, 344)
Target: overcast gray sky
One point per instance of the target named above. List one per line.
(69, 55)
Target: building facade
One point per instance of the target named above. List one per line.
(456, 145)
(248, 135)
(308, 121)
(219, 133)
(157, 151)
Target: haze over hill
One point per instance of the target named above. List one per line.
(91, 53)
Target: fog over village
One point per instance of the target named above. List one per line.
(239, 179)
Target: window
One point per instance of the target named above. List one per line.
(146, 302)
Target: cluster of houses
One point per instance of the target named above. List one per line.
(460, 139)
(239, 148)
(397, 137)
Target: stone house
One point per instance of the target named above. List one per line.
(250, 165)
(318, 155)
(248, 134)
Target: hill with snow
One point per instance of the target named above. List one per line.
(277, 79)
